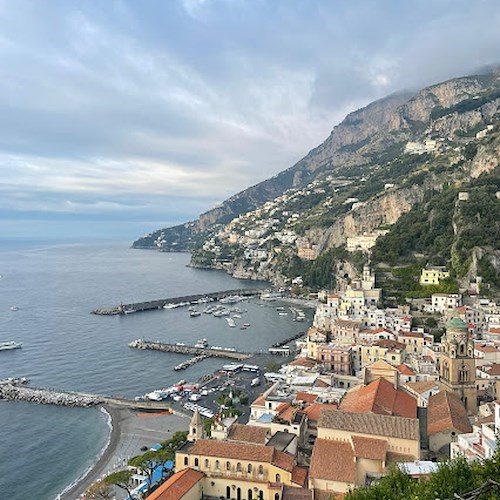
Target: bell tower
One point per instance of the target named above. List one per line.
(457, 371)
(196, 430)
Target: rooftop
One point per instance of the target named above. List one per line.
(370, 423)
(333, 460)
(248, 433)
(374, 449)
(177, 485)
(381, 397)
(447, 412)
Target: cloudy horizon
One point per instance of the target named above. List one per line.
(122, 117)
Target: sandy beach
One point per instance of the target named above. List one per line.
(131, 430)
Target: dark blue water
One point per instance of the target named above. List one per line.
(65, 347)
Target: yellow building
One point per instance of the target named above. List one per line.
(354, 448)
(431, 275)
(388, 350)
(415, 341)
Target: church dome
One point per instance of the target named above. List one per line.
(456, 324)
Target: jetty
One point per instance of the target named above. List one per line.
(185, 300)
(191, 350)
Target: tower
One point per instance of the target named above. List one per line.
(196, 430)
(457, 371)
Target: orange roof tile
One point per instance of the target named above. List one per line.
(389, 344)
(313, 411)
(493, 370)
(299, 475)
(177, 486)
(421, 387)
(374, 449)
(259, 401)
(494, 330)
(380, 396)
(486, 348)
(405, 369)
(321, 383)
(308, 362)
(283, 460)
(248, 433)
(333, 460)
(307, 397)
(231, 449)
(370, 423)
(287, 412)
(446, 412)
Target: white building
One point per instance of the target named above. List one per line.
(442, 302)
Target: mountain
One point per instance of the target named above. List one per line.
(394, 166)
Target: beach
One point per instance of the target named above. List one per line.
(131, 430)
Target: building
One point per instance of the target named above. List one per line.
(184, 485)
(431, 275)
(336, 358)
(441, 302)
(446, 418)
(380, 397)
(354, 448)
(415, 341)
(457, 364)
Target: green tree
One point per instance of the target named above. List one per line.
(121, 479)
(98, 491)
(149, 461)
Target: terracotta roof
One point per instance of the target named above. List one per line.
(417, 335)
(307, 397)
(405, 369)
(321, 383)
(389, 344)
(374, 449)
(494, 330)
(259, 401)
(446, 412)
(299, 475)
(283, 460)
(294, 493)
(177, 486)
(370, 423)
(493, 370)
(286, 412)
(234, 450)
(421, 387)
(308, 362)
(333, 460)
(248, 433)
(380, 396)
(486, 348)
(313, 411)
(381, 364)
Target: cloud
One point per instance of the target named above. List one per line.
(131, 106)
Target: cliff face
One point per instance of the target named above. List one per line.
(367, 149)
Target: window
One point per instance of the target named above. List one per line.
(261, 469)
(217, 465)
(186, 461)
(249, 468)
(207, 464)
(278, 478)
(196, 462)
(238, 467)
(228, 465)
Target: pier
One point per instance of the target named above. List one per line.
(185, 349)
(188, 299)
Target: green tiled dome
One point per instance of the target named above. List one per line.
(456, 324)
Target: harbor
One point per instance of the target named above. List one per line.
(173, 302)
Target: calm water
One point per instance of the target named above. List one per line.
(65, 347)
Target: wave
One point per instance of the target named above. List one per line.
(88, 470)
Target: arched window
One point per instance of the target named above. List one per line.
(186, 461)
(261, 495)
(446, 370)
(261, 469)
(249, 468)
(217, 465)
(207, 464)
(228, 491)
(278, 478)
(228, 465)
(238, 467)
(196, 462)
(463, 374)
(250, 494)
(276, 496)
(462, 349)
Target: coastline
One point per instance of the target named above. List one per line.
(130, 431)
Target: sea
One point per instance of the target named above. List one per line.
(55, 286)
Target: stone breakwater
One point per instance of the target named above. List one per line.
(185, 349)
(47, 397)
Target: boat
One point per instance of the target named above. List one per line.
(195, 314)
(283, 314)
(201, 343)
(231, 323)
(7, 346)
(129, 311)
(246, 324)
(14, 308)
(269, 295)
(231, 299)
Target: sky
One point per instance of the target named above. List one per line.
(118, 117)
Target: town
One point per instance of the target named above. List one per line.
(367, 391)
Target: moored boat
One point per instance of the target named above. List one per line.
(7, 346)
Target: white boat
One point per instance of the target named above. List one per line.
(270, 295)
(201, 343)
(231, 299)
(129, 311)
(231, 323)
(7, 346)
(195, 314)
(14, 308)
